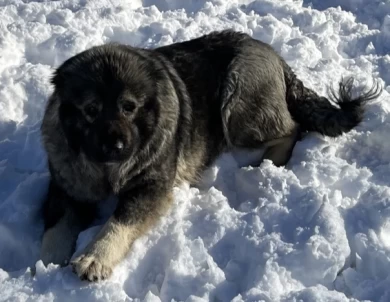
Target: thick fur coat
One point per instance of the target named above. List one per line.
(134, 122)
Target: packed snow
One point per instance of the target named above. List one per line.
(315, 230)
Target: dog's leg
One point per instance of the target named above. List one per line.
(64, 220)
(136, 213)
(279, 151)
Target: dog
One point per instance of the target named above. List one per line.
(134, 123)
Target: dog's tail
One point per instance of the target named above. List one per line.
(315, 113)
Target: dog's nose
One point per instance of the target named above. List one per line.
(113, 147)
(119, 145)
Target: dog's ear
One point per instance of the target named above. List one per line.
(58, 78)
(70, 120)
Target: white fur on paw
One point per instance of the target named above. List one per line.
(89, 267)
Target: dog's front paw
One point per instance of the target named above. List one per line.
(90, 267)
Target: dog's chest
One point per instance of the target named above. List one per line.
(89, 182)
(81, 179)
(115, 175)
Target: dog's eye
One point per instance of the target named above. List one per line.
(91, 111)
(128, 107)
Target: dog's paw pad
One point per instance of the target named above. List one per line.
(90, 268)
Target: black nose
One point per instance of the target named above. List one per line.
(119, 145)
(115, 146)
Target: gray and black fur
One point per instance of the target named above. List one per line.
(135, 122)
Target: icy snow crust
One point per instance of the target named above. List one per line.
(317, 230)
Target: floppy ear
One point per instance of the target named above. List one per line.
(66, 112)
(58, 78)
(70, 121)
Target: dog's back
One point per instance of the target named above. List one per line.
(242, 88)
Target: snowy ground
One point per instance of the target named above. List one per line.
(317, 230)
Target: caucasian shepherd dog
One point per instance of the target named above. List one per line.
(134, 123)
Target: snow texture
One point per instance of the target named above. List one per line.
(316, 230)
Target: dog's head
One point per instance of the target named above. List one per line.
(108, 101)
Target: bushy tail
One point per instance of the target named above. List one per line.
(315, 113)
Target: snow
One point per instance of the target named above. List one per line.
(316, 230)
